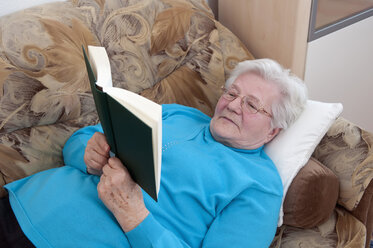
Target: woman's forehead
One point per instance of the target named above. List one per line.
(252, 84)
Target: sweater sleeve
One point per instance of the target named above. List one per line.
(250, 220)
(150, 233)
(74, 148)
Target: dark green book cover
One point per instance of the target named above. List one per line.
(129, 138)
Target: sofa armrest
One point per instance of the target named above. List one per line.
(346, 149)
(364, 212)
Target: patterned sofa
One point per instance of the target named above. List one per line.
(168, 51)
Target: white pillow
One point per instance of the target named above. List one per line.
(292, 148)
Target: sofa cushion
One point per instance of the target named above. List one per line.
(311, 197)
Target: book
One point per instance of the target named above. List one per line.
(131, 123)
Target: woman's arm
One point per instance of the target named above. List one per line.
(250, 220)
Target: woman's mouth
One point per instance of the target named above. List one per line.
(229, 120)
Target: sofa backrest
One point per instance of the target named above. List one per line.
(169, 51)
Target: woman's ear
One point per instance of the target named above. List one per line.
(273, 134)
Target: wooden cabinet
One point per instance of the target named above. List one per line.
(275, 29)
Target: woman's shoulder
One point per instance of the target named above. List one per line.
(183, 112)
(180, 121)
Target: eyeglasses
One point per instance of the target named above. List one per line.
(248, 103)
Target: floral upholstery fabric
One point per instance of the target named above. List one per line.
(346, 149)
(168, 51)
(341, 230)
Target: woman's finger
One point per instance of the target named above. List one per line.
(100, 144)
(115, 163)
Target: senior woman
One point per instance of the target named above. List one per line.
(218, 188)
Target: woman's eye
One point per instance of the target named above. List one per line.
(251, 105)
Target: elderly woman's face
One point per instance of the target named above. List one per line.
(235, 126)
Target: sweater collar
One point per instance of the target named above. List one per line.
(209, 137)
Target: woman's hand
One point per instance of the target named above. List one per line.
(121, 195)
(96, 154)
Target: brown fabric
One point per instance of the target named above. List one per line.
(346, 149)
(364, 212)
(312, 196)
(351, 232)
(168, 50)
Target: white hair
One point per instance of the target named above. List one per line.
(292, 89)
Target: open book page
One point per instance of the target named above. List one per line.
(101, 66)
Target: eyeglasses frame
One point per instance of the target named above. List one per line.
(260, 110)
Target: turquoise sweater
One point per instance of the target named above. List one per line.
(211, 195)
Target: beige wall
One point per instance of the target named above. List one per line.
(339, 68)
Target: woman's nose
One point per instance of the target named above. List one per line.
(235, 105)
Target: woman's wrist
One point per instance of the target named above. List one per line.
(130, 220)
